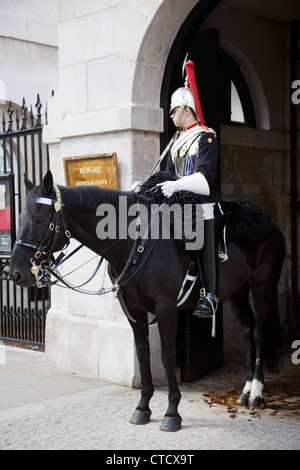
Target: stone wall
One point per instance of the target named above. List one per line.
(28, 50)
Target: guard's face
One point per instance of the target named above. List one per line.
(174, 115)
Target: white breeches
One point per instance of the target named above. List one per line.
(208, 210)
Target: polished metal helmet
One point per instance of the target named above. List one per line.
(187, 95)
(182, 97)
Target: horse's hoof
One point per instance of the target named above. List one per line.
(140, 417)
(171, 424)
(257, 404)
(243, 399)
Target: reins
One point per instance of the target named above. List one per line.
(49, 266)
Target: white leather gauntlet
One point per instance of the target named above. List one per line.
(195, 183)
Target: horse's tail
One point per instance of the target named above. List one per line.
(274, 339)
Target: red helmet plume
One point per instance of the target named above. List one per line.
(189, 68)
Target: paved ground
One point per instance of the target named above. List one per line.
(44, 408)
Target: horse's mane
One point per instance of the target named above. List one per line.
(86, 198)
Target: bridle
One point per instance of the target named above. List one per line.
(47, 245)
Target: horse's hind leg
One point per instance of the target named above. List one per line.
(142, 412)
(242, 311)
(267, 339)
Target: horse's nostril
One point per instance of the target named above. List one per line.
(16, 277)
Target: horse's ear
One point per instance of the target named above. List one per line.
(48, 182)
(29, 185)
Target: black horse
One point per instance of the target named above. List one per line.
(150, 274)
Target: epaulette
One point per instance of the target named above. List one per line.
(209, 129)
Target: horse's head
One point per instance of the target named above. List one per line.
(39, 234)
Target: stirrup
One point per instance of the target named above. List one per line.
(197, 312)
(211, 308)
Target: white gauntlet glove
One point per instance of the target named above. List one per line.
(168, 188)
(195, 183)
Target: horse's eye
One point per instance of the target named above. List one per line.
(39, 220)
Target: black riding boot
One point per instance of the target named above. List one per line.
(208, 303)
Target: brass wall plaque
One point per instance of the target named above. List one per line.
(94, 170)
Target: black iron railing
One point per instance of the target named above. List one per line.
(22, 311)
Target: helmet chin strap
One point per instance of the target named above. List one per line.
(180, 112)
(179, 115)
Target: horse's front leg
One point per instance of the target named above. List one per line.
(167, 325)
(142, 412)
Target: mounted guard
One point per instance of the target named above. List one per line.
(254, 265)
(193, 158)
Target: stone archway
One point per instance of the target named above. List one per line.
(155, 48)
